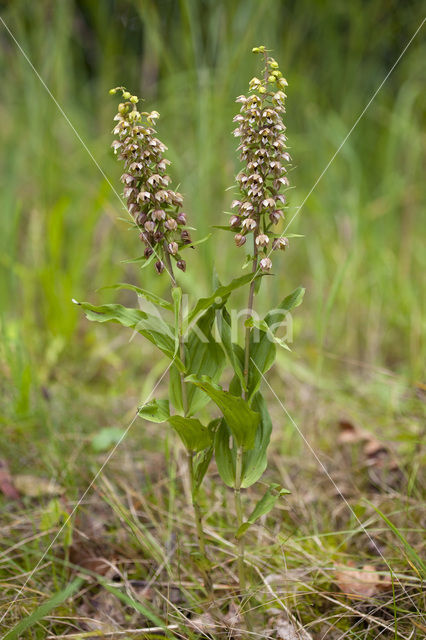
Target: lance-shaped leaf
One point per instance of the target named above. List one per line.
(262, 344)
(155, 411)
(194, 435)
(254, 460)
(242, 420)
(148, 295)
(151, 327)
(224, 326)
(220, 295)
(290, 302)
(203, 356)
(265, 504)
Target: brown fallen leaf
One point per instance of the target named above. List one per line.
(350, 433)
(7, 486)
(365, 582)
(36, 487)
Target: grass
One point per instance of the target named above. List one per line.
(358, 352)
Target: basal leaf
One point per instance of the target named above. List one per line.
(241, 420)
(265, 504)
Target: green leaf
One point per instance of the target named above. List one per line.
(194, 435)
(265, 504)
(262, 347)
(203, 356)
(175, 389)
(203, 458)
(151, 327)
(241, 420)
(262, 357)
(155, 411)
(151, 297)
(224, 327)
(290, 302)
(219, 296)
(254, 460)
(106, 437)
(43, 610)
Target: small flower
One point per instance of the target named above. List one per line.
(181, 218)
(234, 221)
(149, 226)
(171, 224)
(266, 264)
(262, 240)
(158, 214)
(280, 243)
(249, 224)
(173, 248)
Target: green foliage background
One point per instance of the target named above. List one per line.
(61, 235)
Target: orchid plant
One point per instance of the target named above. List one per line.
(199, 341)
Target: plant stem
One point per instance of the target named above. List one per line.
(190, 456)
(239, 460)
(249, 312)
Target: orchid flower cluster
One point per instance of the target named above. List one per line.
(154, 207)
(199, 341)
(264, 153)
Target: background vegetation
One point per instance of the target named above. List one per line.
(359, 352)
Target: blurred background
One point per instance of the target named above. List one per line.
(63, 232)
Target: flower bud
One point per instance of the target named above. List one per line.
(181, 264)
(126, 95)
(239, 239)
(234, 221)
(158, 236)
(266, 264)
(181, 218)
(141, 219)
(186, 238)
(159, 266)
(148, 252)
(173, 248)
(134, 99)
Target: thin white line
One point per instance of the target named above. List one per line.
(357, 121)
(333, 483)
(108, 458)
(62, 112)
(76, 132)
